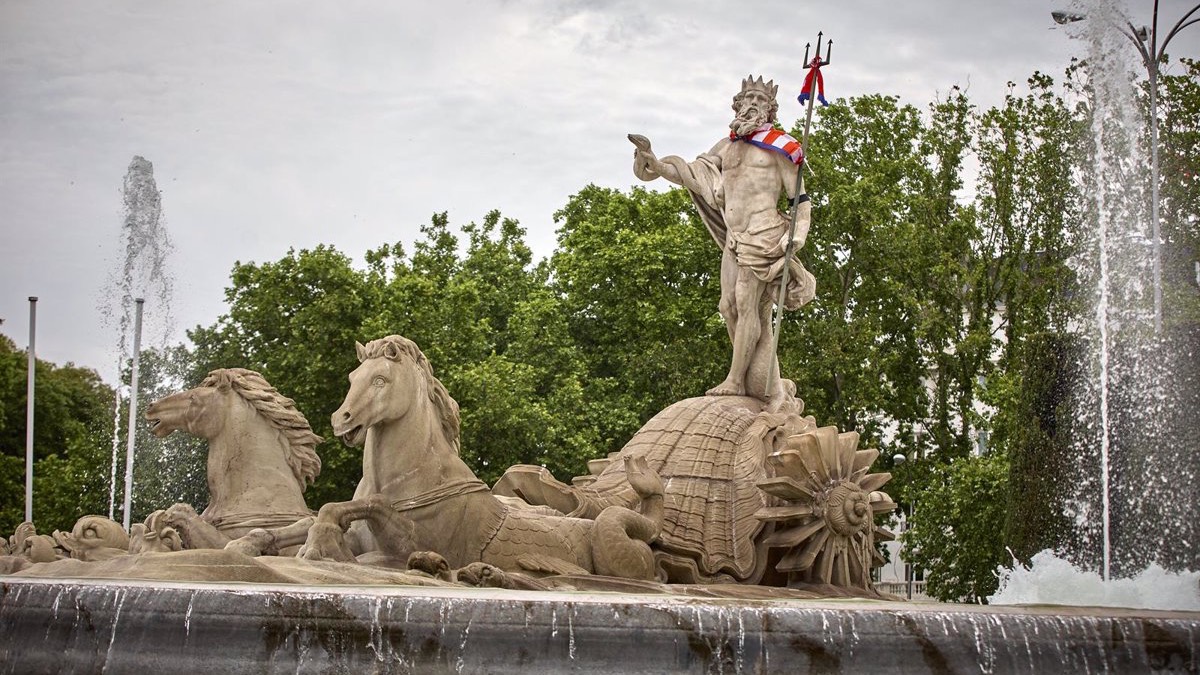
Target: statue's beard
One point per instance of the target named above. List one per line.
(747, 120)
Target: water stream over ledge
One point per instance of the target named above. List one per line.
(117, 627)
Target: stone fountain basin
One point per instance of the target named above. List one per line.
(91, 626)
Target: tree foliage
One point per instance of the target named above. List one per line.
(72, 427)
(956, 526)
(169, 470)
(854, 351)
(1179, 127)
(637, 276)
(915, 282)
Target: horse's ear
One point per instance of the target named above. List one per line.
(360, 350)
(391, 351)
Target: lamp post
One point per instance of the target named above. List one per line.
(133, 406)
(897, 460)
(1152, 52)
(32, 356)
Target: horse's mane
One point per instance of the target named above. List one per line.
(395, 348)
(278, 410)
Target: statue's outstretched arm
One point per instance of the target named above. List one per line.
(647, 166)
(696, 176)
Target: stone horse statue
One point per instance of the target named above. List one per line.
(418, 495)
(261, 457)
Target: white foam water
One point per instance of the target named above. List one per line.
(1051, 580)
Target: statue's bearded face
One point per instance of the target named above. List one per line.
(753, 108)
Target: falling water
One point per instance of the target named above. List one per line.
(1114, 129)
(1136, 475)
(142, 273)
(1147, 475)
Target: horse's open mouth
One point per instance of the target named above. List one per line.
(354, 437)
(157, 428)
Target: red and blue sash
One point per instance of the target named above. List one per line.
(768, 137)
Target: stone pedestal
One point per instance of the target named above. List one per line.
(66, 626)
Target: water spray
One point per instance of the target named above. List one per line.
(142, 272)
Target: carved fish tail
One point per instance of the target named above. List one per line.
(621, 544)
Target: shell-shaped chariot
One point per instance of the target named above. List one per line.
(751, 496)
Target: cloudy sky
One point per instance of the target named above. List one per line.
(276, 124)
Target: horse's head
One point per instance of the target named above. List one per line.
(194, 411)
(241, 405)
(392, 378)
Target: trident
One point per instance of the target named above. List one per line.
(812, 84)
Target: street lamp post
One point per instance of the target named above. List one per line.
(898, 459)
(133, 406)
(1146, 42)
(29, 391)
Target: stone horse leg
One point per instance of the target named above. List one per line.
(194, 531)
(197, 533)
(615, 543)
(326, 538)
(273, 541)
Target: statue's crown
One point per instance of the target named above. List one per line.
(769, 87)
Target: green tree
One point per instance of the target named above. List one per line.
(295, 321)
(955, 526)
(1038, 443)
(466, 312)
(541, 339)
(637, 276)
(1032, 212)
(1179, 128)
(167, 470)
(72, 431)
(529, 406)
(855, 351)
(1009, 281)
(958, 300)
(428, 300)
(1030, 202)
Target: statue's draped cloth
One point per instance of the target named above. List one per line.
(757, 249)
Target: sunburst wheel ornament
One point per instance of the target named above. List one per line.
(824, 508)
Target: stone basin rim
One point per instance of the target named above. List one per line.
(604, 597)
